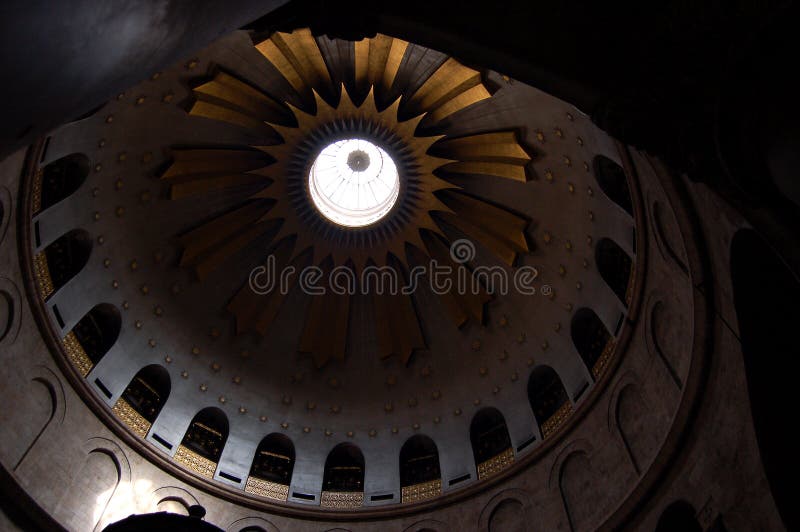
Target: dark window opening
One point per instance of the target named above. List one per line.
(98, 330)
(546, 394)
(590, 337)
(615, 267)
(678, 517)
(344, 469)
(488, 434)
(419, 461)
(148, 391)
(63, 177)
(274, 460)
(67, 256)
(207, 433)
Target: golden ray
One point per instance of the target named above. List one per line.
(453, 85)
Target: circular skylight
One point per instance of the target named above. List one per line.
(353, 182)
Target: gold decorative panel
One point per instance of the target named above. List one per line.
(267, 489)
(549, 426)
(76, 355)
(42, 273)
(195, 462)
(421, 491)
(605, 357)
(496, 464)
(36, 193)
(341, 499)
(125, 412)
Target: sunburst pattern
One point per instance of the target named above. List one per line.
(277, 167)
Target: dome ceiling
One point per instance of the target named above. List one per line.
(197, 177)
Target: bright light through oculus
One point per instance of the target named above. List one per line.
(353, 183)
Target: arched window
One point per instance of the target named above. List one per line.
(142, 400)
(343, 481)
(62, 177)
(93, 336)
(66, 257)
(271, 472)
(611, 178)
(491, 444)
(679, 516)
(615, 267)
(548, 398)
(420, 477)
(202, 445)
(592, 340)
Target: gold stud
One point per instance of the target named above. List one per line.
(115, 284)
(436, 395)
(134, 265)
(106, 263)
(350, 434)
(203, 387)
(496, 390)
(415, 426)
(126, 305)
(540, 136)
(286, 399)
(437, 419)
(109, 119)
(140, 100)
(530, 362)
(223, 399)
(335, 409)
(185, 374)
(145, 289)
(476, 402)
(571, 188)
(191, 64)
(586, 166)
(570, 117)
(195, 350)
(284, 425)
(155, 76)
(395, 430)
(96, 216)
(545, 345)
(242, 410)
(567, 161)
(578, 285)
(215, 367)
(306, 430)
(138, 324)
(580, 141)
(101, 240)
(457, 412)
(548, 175)
(151, 342)
(568, 245)
(328, 432)
(504, 321)
(262, 419)
(167, 97)
(120, 96)
(590, 191)
(557, 327)
(168, 359)
(483, 370)
(547, 237)
(237, 379)
(562, 271)
(101, 143)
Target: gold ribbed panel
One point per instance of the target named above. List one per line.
(342, 499)
(265, 488)
(549, 426)
(195, 462)
(496, 463)
(421, 491)
(125, 412)
(36, 194)
(605, 357)
(76, 355)
(42, 273)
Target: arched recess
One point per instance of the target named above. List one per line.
(143, 398)
(61, 261)
(420, 475)
(271, 471)
(616, 268)
(60, 179)
(92, 337)
(548, 399)
(636, 425)
(680, 516)
(576, 483)
(202, 445)
(592, 340)
(508, 516)
(491, 444)
(251, 524)
(171, 499)
(611, 178)
(41, 407)
(343, 480)
(766, 294)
